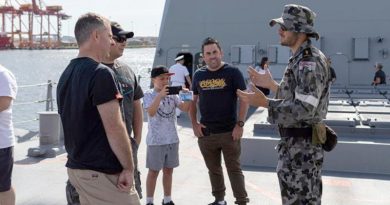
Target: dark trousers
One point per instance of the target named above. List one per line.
(211, 147)
(6, 166)
(137, 173)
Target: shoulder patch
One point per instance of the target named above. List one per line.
(309, 65)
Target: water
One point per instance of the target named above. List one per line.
(38, 66)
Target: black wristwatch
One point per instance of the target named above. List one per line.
(240, 123)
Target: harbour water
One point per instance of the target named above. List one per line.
(38, 66)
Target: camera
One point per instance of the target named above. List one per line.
(174, 90)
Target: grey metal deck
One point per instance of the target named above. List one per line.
(41, 181)
(360, 116)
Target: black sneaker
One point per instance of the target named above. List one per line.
(149, 204)
(216, 203)
(169, 203)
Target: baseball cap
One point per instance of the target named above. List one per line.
(159, 70)
(298, 19)
(119, 32)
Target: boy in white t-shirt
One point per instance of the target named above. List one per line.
(8, 90)
(162, 139)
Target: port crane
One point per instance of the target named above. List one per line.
(31, 24)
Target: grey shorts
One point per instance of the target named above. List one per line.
(162, 156)
(6, 165)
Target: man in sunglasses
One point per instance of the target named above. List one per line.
(131, 91)
(300, 105)
(131, 107)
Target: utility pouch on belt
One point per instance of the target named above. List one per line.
(331, 139)
(324, 135)
(319, 134)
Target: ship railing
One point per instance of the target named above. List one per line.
(50, 130)
(49, 100)
(143, 74)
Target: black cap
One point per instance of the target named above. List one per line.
(159, 70)
(119, 32)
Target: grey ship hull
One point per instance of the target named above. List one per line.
(354, 34)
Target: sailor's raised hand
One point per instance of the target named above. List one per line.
(264, 80)
(255, 98)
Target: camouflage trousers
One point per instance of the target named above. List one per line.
(299, 171)
(72, 196)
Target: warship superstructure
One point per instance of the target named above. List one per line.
(354, 34)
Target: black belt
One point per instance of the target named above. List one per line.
(208, 132)
(296, 132)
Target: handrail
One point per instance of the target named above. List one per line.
(25, 121)
(49, 99)
(49, 95)
(36, 85)
(139, 73)
(33, 102)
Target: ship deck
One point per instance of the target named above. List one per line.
(41, 181)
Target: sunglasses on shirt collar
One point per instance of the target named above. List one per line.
(119, 39)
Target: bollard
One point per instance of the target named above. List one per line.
(49, 128)
(49, 136)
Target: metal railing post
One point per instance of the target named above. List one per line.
(49, 96)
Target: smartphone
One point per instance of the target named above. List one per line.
(174, 90)
(186, 95)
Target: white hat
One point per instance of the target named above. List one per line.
(179, 58)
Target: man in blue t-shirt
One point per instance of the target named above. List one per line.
(220, 129)
(100, 163)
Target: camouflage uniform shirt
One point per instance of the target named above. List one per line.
(303, 95)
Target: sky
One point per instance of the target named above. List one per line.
(141, 16)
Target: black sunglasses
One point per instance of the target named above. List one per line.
(283, 28)
(119, 39)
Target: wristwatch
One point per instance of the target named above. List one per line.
(240, 123)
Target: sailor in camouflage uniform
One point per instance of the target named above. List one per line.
(300, 105)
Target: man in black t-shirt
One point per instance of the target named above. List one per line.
(220, 129)
(100, 163)
(131, 107)
(380, 76)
